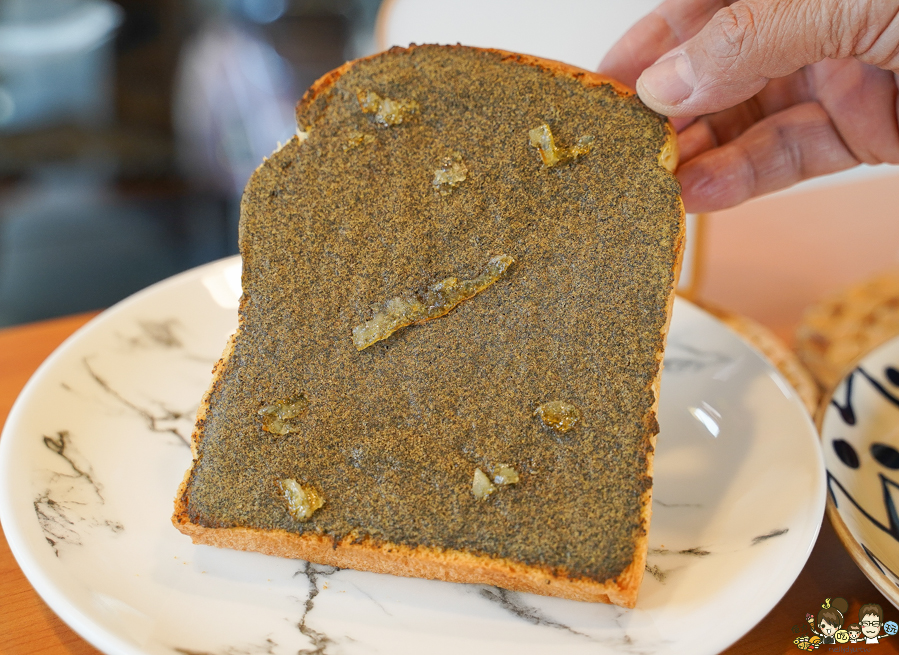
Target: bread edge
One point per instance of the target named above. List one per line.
(429, 562)
(669, 152)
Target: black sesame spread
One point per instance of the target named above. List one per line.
(391, 434)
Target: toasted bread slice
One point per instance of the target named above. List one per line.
(457, 280)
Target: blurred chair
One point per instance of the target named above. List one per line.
(234, 102)
(242, 73)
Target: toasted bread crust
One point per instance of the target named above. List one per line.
(420, 562)
(428, 562)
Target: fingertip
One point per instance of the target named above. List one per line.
(667, 83)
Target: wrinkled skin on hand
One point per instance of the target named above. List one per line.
(766, 93)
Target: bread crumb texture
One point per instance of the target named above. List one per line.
(390, 435)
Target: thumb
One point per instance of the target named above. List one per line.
(750, 41)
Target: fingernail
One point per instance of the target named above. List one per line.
(668, 82)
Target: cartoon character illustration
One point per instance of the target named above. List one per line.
(827, 627)
(870, 618)
(830, 620)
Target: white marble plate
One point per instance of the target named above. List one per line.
(97, 443)
(860, 438)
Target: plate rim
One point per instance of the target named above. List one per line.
(108, 641)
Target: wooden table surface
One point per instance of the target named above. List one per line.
(806, 234)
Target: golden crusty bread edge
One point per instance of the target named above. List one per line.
(430, 562)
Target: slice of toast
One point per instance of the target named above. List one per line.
(457, 284)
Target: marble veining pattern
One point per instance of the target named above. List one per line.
(72, 499)
(166, 421)
(683, 357)
(769, 535)
(320, 641)
(512, 602)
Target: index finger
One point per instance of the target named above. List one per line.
(664, 28)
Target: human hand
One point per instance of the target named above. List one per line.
(766, 93)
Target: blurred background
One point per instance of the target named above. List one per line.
(128, 130)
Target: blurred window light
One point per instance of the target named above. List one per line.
(84, 26)
(57, 66)
(262, 11)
